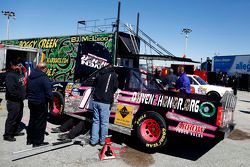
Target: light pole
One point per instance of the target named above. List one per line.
(186, 31)
(9, 15)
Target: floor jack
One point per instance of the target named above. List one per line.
(47, 148)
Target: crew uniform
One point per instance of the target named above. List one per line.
(39, 95)
(183, 82)
(75, 127)
(15, 94)
(105, 84)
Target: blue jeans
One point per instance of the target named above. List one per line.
(100, 122)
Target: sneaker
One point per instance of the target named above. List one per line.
(9, 138)
(101, 144)
(56, 130)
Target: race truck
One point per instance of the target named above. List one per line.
(143, 109)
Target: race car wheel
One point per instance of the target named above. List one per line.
(214, 95)
(58, 104)
(150, 129)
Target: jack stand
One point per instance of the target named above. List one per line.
(107, 152)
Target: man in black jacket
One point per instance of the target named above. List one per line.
(170, 80)
(39, 95)
(15, 94)
(105, 85)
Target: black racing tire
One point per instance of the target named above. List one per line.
(151, 130)
(58, 104)
(214, 95)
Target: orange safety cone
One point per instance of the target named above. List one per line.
(107, 151)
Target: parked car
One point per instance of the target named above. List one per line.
(143, 109)
(199, 86)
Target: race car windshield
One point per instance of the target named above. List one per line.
(141, 82)
(200, 80)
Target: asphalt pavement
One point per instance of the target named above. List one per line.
(233, 151)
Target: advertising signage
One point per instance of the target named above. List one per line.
(60, 52)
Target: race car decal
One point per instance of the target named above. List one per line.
(193, 130)
(181, 118)
(177, 103)
(190, 129)
(207, 109)
(189, 126)
(202, 90)
(124, 115)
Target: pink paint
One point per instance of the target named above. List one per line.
(155, 100)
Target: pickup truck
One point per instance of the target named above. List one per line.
(202, 87)
(143, 109)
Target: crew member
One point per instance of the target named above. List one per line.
(73, 125)
(170, 80)
(183, 82)
(15, 94)
(39, 95)
(105, 85)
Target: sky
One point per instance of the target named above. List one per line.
(219, 27)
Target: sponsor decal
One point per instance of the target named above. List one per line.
(207, 109)
(124, 115)
(124, 112)
(180, 118)
(43, 43)
(177, 103)
(69, 88)
(190, 129)
(57, 60)
(243, 66)
(202, 90)
(93, 61)
(94, 38)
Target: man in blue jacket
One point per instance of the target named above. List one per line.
(105, 85)
(39, 95)
(183, 82)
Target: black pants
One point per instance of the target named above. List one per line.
(76, 127)
(37, 122)
(15, 114)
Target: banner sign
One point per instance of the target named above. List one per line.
(232, 64)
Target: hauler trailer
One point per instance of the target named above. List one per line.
(26, 55)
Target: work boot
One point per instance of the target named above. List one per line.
(40, 144)
(9, 138)
(19, 134)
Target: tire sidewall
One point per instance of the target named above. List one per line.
(214, 95)
(161, 141)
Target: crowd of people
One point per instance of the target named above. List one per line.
(38, 91)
